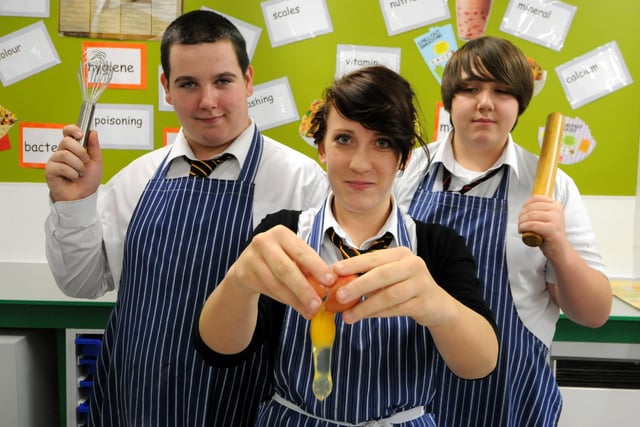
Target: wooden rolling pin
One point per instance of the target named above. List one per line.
(547, 167)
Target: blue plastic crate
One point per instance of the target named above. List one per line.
(88, 346)
(89, 363)
(85, 382)
(83, 407)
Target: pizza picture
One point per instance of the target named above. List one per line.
(7, 120)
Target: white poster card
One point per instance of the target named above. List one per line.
(251, 33)
(170, 135)
(290, 21)
(404, 15)
(26, 52)
(31, 8)
(442, 124)
(128, 62)
(272, 104)
(351, 57)
(124, 126)
(594, 75)
(38, 141)
(544, 22)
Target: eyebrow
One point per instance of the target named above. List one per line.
(227, 75)
(224, 75)
(343, 130)
(376, 133)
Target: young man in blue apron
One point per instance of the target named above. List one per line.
(163, 233)
(479, 182)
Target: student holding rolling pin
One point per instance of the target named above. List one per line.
(480, 182)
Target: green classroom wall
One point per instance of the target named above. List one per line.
(53, 95)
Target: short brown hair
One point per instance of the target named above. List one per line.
(202, 26)
(489, 59)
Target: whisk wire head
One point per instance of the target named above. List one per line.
(94, 75)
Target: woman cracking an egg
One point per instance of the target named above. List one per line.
(353, 301)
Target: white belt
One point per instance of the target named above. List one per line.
(397, 418)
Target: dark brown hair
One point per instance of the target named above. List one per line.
(488, 59)
(202, 26)
(380, 100)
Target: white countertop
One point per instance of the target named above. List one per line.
(620, 308)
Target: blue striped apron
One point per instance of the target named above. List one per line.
(522, 390)
(375, 363)
(184, 234)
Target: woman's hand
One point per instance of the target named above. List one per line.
(276, 263)
(395, 283)
(398, 283)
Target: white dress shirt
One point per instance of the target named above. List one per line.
(528, 282)
(85, 238)
(330, 253)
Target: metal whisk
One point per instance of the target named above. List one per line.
(94, 75)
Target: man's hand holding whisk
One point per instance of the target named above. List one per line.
(74, 172)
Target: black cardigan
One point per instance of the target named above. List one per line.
(438, 246)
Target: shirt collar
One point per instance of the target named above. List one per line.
(391, 225)
(446, 157)
(239, 148)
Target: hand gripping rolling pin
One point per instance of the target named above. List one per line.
(547, 167)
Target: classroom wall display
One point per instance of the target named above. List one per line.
(594, 75)
(116, 19)
(577, 141)
(539, 21)
(436, 46)
(307, 65)
(251, 33)
(7, 120)
(350, 57)
(34, 8)
(26, 52)
(289, 21)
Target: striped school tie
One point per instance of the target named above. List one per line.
(446, 180)
(203, 168)
(348, 251)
